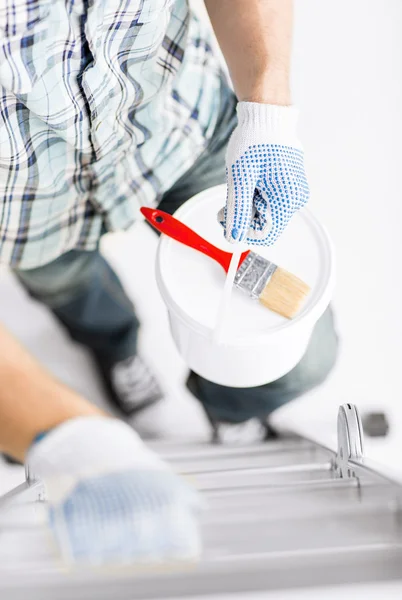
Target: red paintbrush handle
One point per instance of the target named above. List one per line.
(173, 228)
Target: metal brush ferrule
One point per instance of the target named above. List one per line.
(254, 274)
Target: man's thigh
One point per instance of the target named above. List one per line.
(62, 279)
(209, 170)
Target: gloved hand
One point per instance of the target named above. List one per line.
(265, 174)
(111, 499)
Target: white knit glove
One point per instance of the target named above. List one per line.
(265, 174)
(112, 500)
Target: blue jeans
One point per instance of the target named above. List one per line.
(86, 296)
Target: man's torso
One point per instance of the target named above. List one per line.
(104, 104)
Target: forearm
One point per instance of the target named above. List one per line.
(31, 401)
(256, 38)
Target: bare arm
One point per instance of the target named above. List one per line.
(31, 401)
(256, 38)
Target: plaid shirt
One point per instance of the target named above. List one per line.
(104, 104)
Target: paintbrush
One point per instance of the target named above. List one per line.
(277, 289)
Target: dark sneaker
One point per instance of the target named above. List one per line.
(153, 413)
(131, 385)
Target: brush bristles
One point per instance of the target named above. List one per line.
(284, 293)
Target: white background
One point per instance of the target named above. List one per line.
(347, 75)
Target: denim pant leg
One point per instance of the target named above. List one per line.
(235, 405)
(88, 299)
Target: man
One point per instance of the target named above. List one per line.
(107, 106)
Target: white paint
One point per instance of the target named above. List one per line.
(225, 303)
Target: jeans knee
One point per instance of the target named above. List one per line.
(318, 360)
(61, 280)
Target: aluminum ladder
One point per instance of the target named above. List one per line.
(283, 515)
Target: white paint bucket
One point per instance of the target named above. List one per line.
(261, 346)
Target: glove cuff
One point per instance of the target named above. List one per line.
(89, 446)
(276, 123)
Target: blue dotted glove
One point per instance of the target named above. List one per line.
(266, 180)
(111, 500)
